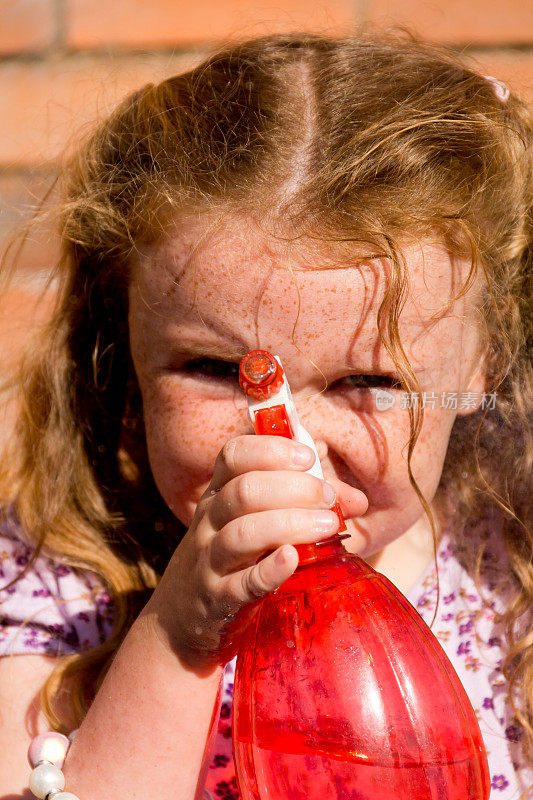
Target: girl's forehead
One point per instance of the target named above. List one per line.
(233, 290)
(237, 268)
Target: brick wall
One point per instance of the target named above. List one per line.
(64, 62)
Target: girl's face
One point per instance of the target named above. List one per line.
(202, 299)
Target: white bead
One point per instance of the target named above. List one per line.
(65, 796)
(46, 778)
(51, 746)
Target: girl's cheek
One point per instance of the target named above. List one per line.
(430, 450)
(377, 455)
(184, 436)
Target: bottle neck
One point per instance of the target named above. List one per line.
(317, 551)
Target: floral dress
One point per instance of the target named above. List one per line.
(56, 610)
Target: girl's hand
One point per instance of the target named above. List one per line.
(259, 503)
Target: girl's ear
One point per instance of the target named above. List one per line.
(474, 396)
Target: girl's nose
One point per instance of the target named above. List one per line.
(310, 411)
(321, 448)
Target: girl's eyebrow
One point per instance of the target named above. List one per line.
(195, 347)
(199, 350)
(217, 351)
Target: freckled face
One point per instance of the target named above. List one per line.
(219, 293)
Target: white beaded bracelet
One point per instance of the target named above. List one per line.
(46, 755)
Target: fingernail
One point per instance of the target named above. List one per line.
(281, 556)
(302, 455)
(329, 493)
(326, 522)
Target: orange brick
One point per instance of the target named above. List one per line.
(45, 105)
(475, 21)
(137, 23)
(27, 25)
(21, 195)
(512, 67)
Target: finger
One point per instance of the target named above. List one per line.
(353, 502)
(265, 576)
(245, 453)
(245, 539)
(263, 491)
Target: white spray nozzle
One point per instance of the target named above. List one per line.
(282, 396)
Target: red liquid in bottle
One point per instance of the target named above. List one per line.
(343, 693)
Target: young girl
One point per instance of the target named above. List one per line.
(361, 208)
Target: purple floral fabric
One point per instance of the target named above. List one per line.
(52, 609)
(56, 610)
(473, 638)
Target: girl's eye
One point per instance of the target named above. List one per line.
(213, 368)
(217, 369)
(370, 382)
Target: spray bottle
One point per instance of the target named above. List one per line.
(341, 690)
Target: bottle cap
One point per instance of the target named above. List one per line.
(260, 375)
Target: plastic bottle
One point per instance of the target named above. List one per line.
(341, 690)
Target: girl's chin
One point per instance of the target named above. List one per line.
(359, 542)
(365, 542)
